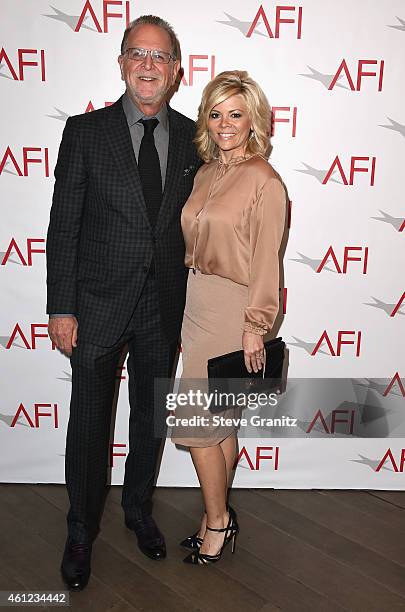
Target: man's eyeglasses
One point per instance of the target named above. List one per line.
(158, 57)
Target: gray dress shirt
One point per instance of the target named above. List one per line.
(161, 135)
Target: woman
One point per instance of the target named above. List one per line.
(233, 223)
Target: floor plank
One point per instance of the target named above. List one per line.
(395, 498)
(365, 501)
(355, 525)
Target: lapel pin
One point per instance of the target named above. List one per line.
(187, 171)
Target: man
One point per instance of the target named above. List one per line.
(116, 277)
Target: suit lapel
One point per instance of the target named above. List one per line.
(175, 165)
(119, 141)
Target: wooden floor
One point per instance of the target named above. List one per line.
(297, 550)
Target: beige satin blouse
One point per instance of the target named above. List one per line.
(233, 223)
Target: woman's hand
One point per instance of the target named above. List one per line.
(253, 349)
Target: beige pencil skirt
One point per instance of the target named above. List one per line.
(212, 326)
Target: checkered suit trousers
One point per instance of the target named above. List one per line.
(94, 371)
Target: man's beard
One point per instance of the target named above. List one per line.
(158, 96)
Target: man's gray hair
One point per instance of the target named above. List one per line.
(156, 21)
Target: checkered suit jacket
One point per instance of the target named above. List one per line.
(100, 244)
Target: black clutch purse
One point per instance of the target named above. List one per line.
(228, 373)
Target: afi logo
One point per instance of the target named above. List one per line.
(337, 165)
(90, 107)
(356, 341)
(396, 380)
(358, 74)
(24, 253)
(41, 157)
(25, 57)
(283, 15)
(102, 25)
(208, 66)
(37, 413)
(283, 300)
(398, 305)
(389, 456)
(29, 339)
(120, 373)
(284, 114)
(342, 269)
(334, 419)
(263, 453)
(113, 453)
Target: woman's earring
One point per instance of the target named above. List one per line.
(252, 134)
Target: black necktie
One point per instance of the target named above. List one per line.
(149, 170)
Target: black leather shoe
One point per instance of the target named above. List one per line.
(150, 540)
(75, 566)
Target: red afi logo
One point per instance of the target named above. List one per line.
(90, 107)
(396, 380)
(356, 341)
(22, 61)
(263, 453)
(337, 165)
(278, 115)
(88, 11)
(26, 257)
(294, 17)
(335, 418)
(342, 269)
(38, 413)
(209, 67)
(29, 339)
(43, 159)
(389, 456)
(343, 70)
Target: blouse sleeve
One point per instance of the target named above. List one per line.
(266, 231)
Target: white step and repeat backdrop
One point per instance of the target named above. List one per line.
(334, 74)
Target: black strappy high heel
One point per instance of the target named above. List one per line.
(231, 531)
(194, 542)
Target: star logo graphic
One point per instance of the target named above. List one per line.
(396, 222)
(304, 426)
(242, 26)
(5, 76)
(324, 79)
(4, 340)
(69, 20)
(385, 306)
(372, 384)
(371, 463)
(319, 175)
(399, 27)
(67, 378)
(9, 260)
(306, 346)
(312, 263)
(241, 462)
(395, 126)
(62, 116)
(8, 171)
(8, 419)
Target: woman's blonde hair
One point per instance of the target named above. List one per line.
(223, 86)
